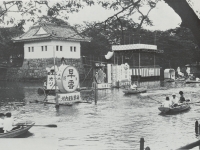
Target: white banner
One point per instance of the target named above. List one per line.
(51, 82)
(133, 46)
(104, 86)
(68, 97)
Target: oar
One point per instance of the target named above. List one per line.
(36, 101)
(49, 125)
(194, 102)
(154, 100)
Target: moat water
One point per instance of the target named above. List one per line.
(116, 121)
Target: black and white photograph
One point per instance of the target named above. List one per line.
(100, 75)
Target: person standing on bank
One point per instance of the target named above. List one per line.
(182, 98)
(1, 122)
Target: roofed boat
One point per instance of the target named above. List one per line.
(17, 132)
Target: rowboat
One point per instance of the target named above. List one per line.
(177, 109)
(17, 132)
(169, 80)
(192, 81)
(180, 80)
(139, 90)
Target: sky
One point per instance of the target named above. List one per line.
(163, 16)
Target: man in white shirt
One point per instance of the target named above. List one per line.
(1, 122)
(134, 86)
(8, 123)
(174, 99)
(167, 103)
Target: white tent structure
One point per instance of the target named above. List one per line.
(169, 74)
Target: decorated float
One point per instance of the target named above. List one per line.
(102, 76)
(63, 84)
(67, 79)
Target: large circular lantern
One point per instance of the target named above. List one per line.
(67, 78)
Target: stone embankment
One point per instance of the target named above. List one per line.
(35, 69)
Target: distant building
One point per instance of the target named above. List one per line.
(41, 41)
(136, 72)
(45, 41)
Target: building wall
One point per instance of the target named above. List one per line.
(70, 49)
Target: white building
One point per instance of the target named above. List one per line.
(47, 40)
(43, 43)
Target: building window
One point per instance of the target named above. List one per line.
(42, 48)
(29, 49)
(74, 49)
(32, 49)
(57, 47)
(60, 48)
(71, 48)
(45, 48)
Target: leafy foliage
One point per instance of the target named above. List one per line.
(35, 9)
(179, 45)
(7, 47)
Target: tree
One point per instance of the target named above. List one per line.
(8, 48)
(189, 18)
(36, 9)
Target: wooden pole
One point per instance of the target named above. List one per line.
(196, 127)
(154, 63)
(141, 143)
(114, 58)
(95, 92)
(56, 98)
(139, 69)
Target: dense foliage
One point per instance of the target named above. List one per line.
(179, 47)
(9, 49)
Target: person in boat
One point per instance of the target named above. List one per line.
(134, 86)
(174, 100)
(8, 122)
(1, 122)
(167, 103)
(182, 98)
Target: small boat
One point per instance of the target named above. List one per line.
(177, 109)
(180, 80)
(169, 80)
(192, 81)
(17, 132)
(139, 90)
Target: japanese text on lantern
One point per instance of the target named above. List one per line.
(71, 82)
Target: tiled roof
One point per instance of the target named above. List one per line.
(53, 31)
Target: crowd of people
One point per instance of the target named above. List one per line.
(174, 101)
(6, 122)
